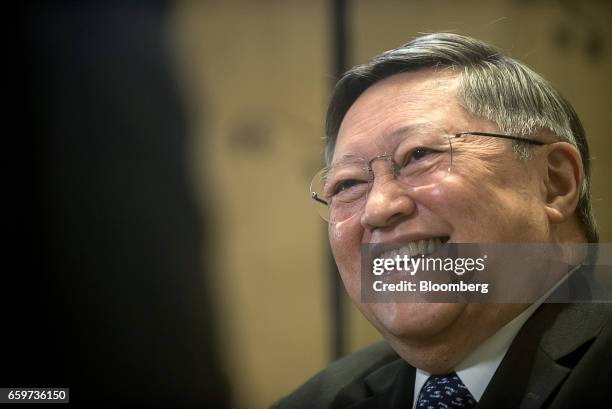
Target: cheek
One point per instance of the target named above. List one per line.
(455, 198)
(481, 207)
(466, 205)
(345, 242)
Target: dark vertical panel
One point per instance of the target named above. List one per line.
(339, 59)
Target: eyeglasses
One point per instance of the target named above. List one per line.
(426, 159)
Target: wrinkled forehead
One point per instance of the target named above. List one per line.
(397, 107)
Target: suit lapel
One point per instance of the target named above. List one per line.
(400, 393)
(389, 387)
(531, 370)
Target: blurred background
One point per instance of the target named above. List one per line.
(163, 246)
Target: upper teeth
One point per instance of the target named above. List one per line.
(414, 248)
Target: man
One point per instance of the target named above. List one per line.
(519, 174)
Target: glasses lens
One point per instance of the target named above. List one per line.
(426, 160)
(338, 194)
(420, 161)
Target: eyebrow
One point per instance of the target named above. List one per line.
(409, 129)
(403, 131)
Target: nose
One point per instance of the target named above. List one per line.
(388, 201)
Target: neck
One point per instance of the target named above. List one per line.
(442, 353)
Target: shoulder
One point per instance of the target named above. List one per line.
(321, 389)
(584, 350)
(578, 323)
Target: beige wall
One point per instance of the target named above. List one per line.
(256, 70)
(257, 76)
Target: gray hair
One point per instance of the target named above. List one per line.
(493, 86)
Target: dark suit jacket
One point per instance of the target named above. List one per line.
(561, 358)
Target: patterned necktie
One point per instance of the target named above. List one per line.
(445, 391)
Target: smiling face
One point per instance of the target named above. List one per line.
(488, 197)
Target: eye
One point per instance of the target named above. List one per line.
(344, 185)
(417, 155)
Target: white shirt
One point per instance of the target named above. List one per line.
(478, 368)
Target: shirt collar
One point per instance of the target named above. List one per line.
(478, 368)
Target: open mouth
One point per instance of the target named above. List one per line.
(387, 260)
(415, 248)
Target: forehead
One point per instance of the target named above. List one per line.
(400, 101)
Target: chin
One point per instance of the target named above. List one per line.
(413, 321)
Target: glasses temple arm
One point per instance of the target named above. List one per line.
(315, 197)
(503, 136)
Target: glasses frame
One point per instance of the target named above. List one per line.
(500, 135)
(314, 196)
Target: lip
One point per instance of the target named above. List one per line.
(406, 238)
(376, 249)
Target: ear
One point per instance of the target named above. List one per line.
(563, 181)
